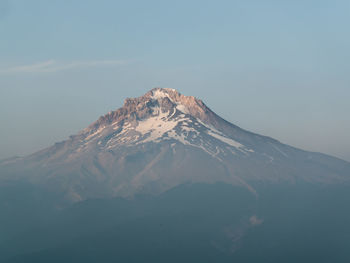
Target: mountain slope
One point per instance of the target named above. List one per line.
(195, 223)
(164, 139)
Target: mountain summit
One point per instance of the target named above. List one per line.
(162, 114)
(163, 139)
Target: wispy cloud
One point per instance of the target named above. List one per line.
(55, 66)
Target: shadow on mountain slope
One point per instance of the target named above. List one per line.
(190, 223)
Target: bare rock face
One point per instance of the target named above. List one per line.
(143, 107)
(163, 139)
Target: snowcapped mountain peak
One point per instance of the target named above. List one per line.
(163, 139)
(157, 100)
(167, 96)
(158, 93)
(161, 115)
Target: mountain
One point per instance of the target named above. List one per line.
(165, 179)
(161, 140)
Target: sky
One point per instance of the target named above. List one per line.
(278, 68)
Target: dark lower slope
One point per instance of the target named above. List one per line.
(24, 206)
(194, 223)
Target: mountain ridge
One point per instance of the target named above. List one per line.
(188, 104)
(163, 139)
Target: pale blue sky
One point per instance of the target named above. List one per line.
(279, 68)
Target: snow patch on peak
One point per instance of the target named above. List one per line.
(94, 134)
(220, 136)
(159, 94)
(156, 126)
(182, 108)
(225, 139)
